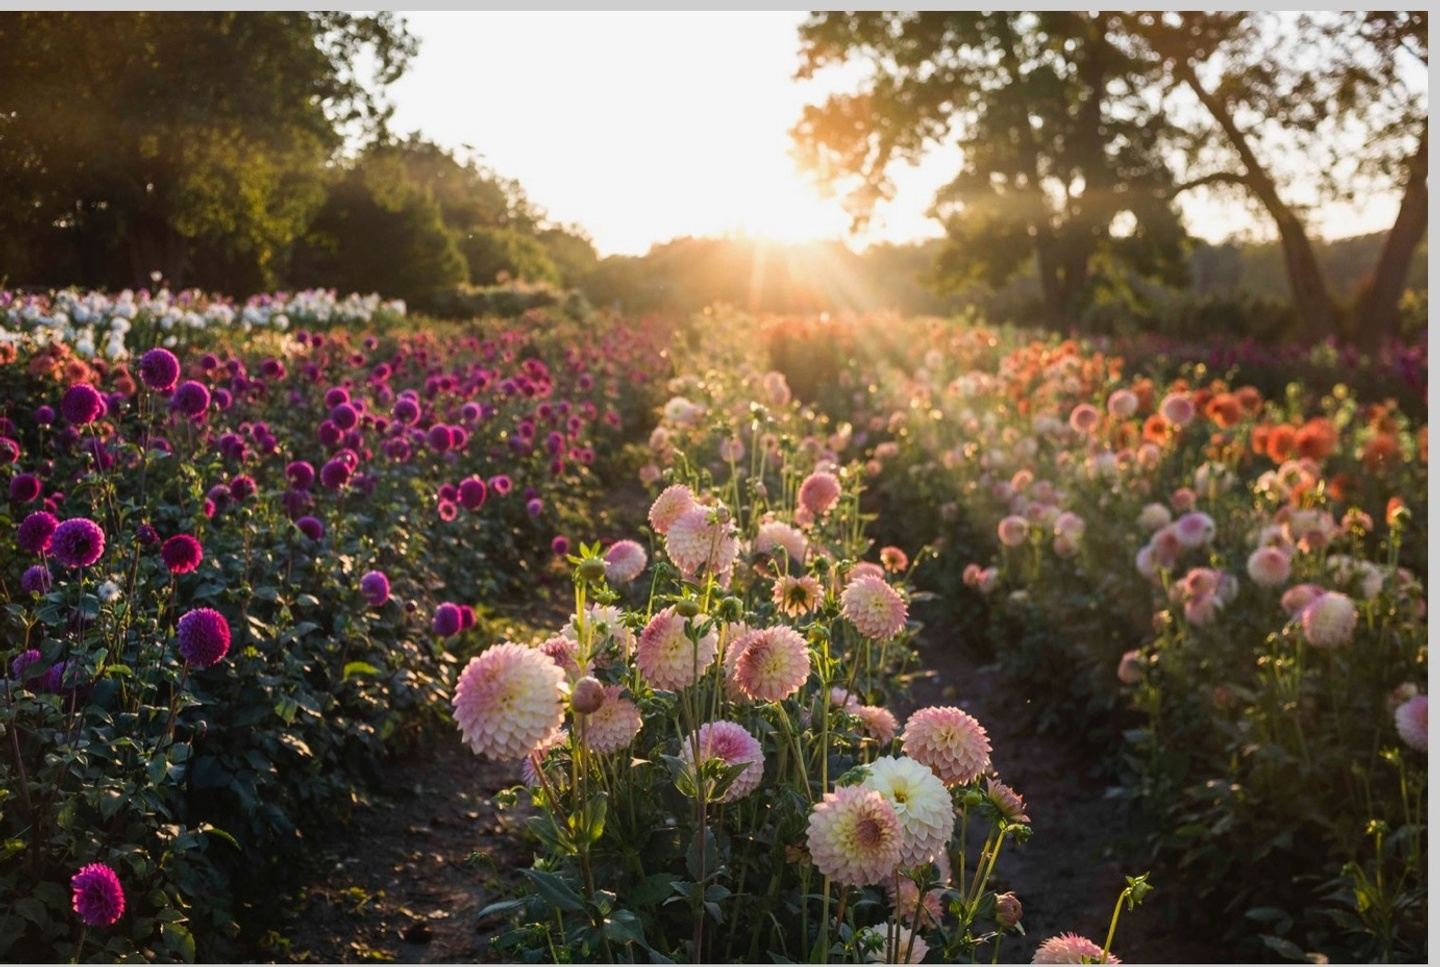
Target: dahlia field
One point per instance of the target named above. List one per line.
(679, 575)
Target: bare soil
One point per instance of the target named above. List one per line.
(1070, 873)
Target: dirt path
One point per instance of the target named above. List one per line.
(408, 877)
(1070, 873)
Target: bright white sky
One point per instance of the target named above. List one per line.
(641, 127)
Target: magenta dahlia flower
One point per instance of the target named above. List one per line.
(447, 619)
(96, 895)
(508, 700)
(78, 542)
(191, 398)
(24, 487)
(376, 587)
(181, 553)
(159, 369)
(203, 636)
(37, 532)
(36, 579)
(82, 404)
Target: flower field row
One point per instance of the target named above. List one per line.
(231, 575)
(1227, 589)
(713, 739)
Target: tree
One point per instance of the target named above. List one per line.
(380, 232)
(1282, 89)
(1061, 141)
(194, 144)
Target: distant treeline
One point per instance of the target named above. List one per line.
(1233, 287)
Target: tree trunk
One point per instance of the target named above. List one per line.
(1312, 297)
(1047, 261)
(1377, 312)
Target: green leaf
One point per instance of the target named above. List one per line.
(358, 668)
(555, 891)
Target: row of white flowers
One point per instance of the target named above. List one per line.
(99, 323)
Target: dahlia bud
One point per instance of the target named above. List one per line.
(687, 608)
(592, 570)
(731, 609)
(587, 695)
(1008, 910)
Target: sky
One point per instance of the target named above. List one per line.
(645, 126)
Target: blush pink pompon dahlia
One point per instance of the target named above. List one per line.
(667, 508)
(613, 725)
(819, 493)
(874, 608)
(703, 540)
(950, 741)
(1071, 948)
(667, 657)
(509, 699)
(1412, 721)
(854, 836)
(730, 742)
(771, 663)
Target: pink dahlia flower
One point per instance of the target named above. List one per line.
(667, 657)
(702, 540)
(508, 700)
(1269, 567)
(1298, 598)
(950, 741)
(865, 569)
(624, 561)
(1007, 801)
(1329, 620)
(614, 725)
(1071, 948)
(1412, 721)
(854, 836)
(1122, 404)
(1084, 419)
(819, 493)
(874, 607)
(771, 663)
(672, 502)
(1013, 530)
(877, 722)
(773, 533)
(1177, 409)
(730, 742)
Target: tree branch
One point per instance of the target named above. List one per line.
(1214, 178)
